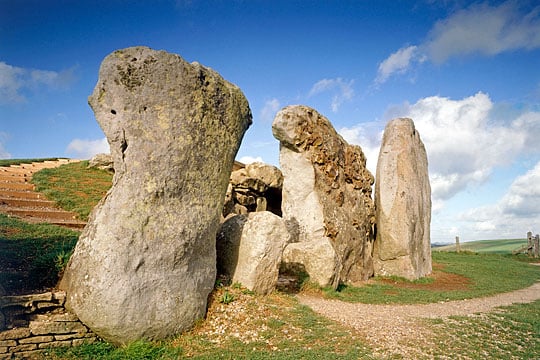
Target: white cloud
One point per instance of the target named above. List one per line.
(342, 90)
(269, 110)
(3, 152)
(398, 62)
(517, 212)
(86, 149)
(462, 142)
(13, 80)
(10, 83)
(529, 124)
(523, 197)
(484, 29)
(478, 29)
(250, 159)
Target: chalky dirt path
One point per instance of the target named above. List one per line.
(398, 329)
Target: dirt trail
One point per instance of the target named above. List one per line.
(397, 329)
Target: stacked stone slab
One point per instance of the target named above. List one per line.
(403, 203)
(255, 187)
(146, 262)
(326, 199)
(38, 321)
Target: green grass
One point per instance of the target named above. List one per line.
(511, 332)
(8, 162)
(32, 255)
(487, 274)
(284, 330)
(136, 350)
(487, 246)
(73, 186)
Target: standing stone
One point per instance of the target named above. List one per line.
(403, 203)
(146, 262)
(326, 199)
(249, 249)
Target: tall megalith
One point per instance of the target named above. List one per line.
(146, 262)
(403, 204)
(326, 199)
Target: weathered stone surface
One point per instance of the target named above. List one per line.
(249, 249)
(21, 348)
(255, 187)
(37, 339)
(326, 198)
(102, 161)
(5, 343)
(146, 262)
(15, 334)
(53, 327)
(403, 203)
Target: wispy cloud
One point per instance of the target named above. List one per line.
(3, 152)
(455, 130)
(478, 29)
(519, 209)
(466, 142)
(15, 80)
(484, 29)
(11, 81)
(342, 90)
(86, 149)
(269, 110)
(398, 62)
(463, 142)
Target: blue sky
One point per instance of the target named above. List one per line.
(467, 73)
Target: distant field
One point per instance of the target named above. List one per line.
(504, 246)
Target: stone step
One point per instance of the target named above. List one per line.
(20, 194)
(6, 176)
(38, 213)
(12, 179)
(70, 223)
(16, 186)
(15, 170)
(24, 203)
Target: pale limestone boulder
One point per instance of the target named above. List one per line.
(403, 203)
(249, 249)
(102, 162)
(146, 262)
(326, 199)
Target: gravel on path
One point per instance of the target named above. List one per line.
(398, 329)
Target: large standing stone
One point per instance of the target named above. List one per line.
(146, 262)
(249, 249)
(403, 203)
(326, 199)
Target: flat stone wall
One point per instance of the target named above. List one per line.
(32, 323)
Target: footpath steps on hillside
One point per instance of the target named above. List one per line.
(18, 197)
